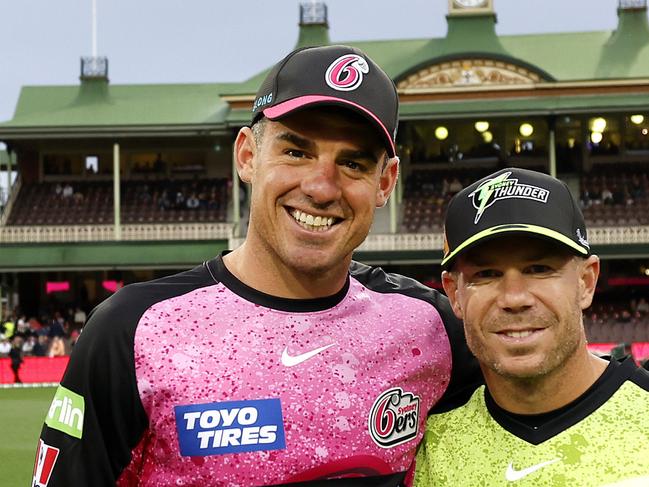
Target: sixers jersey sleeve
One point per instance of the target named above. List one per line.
(197, 379)
(96, 417)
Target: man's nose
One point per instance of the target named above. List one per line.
(515, 295)
(322, 181)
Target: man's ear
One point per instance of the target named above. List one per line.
(245, 150)
(589, 272)
(387, 181)
(449, 283)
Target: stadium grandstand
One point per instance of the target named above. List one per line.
(122, 183)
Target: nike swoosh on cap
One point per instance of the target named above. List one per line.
(512, 475)
(290, 361)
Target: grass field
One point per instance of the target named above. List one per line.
(22, 412)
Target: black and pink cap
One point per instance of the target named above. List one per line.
(331, 75)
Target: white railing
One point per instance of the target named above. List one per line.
(102, 233)
(435, 241)
(403, 241)
(223, 231)
(618, 235)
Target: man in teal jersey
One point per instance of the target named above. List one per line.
(519, 271)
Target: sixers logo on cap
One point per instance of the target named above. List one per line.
(346, 72)
(394, 418)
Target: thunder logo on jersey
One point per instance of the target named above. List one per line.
(230, 427)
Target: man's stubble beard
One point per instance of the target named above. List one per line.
(569, 340)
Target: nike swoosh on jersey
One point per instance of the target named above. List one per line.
(512, 475)
(290, 361)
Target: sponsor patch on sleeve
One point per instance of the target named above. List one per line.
(230, 427)
(46, 456)
(66, 412)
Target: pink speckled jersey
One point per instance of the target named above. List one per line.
(200, 380)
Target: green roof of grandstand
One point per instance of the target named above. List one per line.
(98, 104)
(605, 55)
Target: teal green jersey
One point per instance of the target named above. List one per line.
(600, 439)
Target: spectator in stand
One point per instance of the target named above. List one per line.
(595, 195)
(79, 318)
(625, 316)
(22, 327)
(607, 196)
(57, 326)
(57, 347)
(637, 189)
(618, 195)
(5, 347)
(16, 356)
(28, 345)
(74, 336)
(192, 202)
(455, 186)
(159, 165)
(41, 346)
(213, 202)
(203, 198)
(68, 191)
(445, 186)
(8, 329)
(584, 197)
(34, 326)
(163, 201)
(179, 202)
(642, 307)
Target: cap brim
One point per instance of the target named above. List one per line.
(489, 233)
(286, 107)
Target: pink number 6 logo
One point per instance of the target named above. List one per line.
(346, 72)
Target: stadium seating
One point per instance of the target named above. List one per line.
(614, 322)
(427, 193)
(160, 201)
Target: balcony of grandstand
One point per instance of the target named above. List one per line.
(89, 202)
(602, 160)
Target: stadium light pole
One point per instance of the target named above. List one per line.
(552, 148)
(94, 28)
(116, 205)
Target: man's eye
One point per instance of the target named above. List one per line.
(538, 269)
(295, 153)
(353, 165)
(486, 274)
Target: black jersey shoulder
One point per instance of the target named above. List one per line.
(641, 378)
(378, 280)
(465, 375)
(126, 306)
(102, 371)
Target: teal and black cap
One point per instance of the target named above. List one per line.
(509, 201)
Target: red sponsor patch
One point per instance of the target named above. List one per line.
(46, 456)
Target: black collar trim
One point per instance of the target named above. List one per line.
(221, 274)
(537, 428)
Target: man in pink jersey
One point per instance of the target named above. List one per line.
(282, 361)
